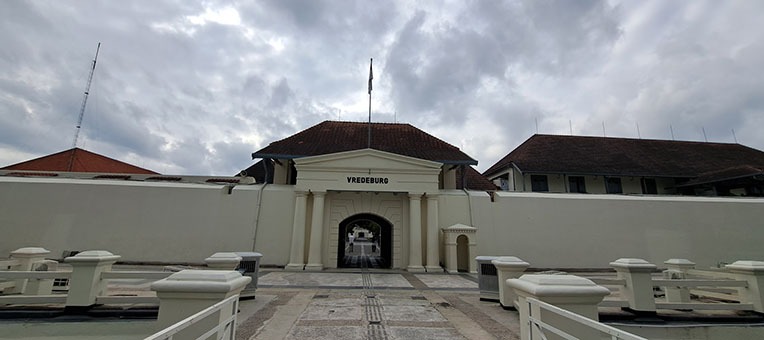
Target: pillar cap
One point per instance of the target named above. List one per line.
(545, 285)
(749, 267)
(633, 265)
(509, 262)
(680, 262)
(202, 281)
(90, 256)
(486, 258)
(223, 258)
(29, 251)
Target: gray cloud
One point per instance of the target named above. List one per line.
(194, 88)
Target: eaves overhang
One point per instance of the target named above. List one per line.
(604, 174)
(256, 155)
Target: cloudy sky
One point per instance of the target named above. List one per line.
(186, 87)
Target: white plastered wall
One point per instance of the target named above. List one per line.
(569, 230)
(144, 221)
(172, 222)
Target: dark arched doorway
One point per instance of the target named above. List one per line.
(371, 246)
(462, 254)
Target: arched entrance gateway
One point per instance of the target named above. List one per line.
(365, 241)
(385, 204)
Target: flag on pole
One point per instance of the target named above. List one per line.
(371, 74)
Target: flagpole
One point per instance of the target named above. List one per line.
(371, 76)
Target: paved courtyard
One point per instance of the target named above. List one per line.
(372, 305)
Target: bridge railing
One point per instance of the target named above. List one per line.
(543, 326)
(222, 315)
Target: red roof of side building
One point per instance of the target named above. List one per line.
(626, 157)
(78, 160)
(332, 137)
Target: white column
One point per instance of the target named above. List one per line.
(316, 233)
(297, 253)
(415, 233)
(433, 255)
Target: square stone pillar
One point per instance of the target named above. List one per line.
(638, 289)
(569, 292)
(433, 253)
(27, 257)
(41, 286)
(415, 233)
(85, 283)
(223, 261)
(508, 267)
(677, 270)
(753, 272)
(297, 251)
(316, 233)
(188, 292)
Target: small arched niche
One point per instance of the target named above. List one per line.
(460, 244)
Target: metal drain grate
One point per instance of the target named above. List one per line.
(321, 296)
(418, 297)
(376, 328)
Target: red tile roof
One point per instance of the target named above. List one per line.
(78, 160)
(625, 156)
(331, 137)
(473, 180)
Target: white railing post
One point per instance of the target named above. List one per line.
(677, 270)
(753, 272)
(223, 261)
(189, 291)
(27, 257)
(508, 267)
(638, 289)
(572, 293)
(41, 286)
(86, 282)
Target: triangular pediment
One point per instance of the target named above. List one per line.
(365, 159)
(367, 170)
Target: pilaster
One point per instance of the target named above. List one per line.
(433, 255)
(316, 232)
(297, 252)
(415, 233)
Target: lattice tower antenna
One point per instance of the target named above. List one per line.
(85, 97)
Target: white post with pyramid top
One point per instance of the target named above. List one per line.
(26, 258)
(753, 272)
(86, 282)
(638, 289)
(189, 291)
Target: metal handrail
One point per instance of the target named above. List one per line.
(614, 333)
(225, 329)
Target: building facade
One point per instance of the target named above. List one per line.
(605, 165)
(381, 173)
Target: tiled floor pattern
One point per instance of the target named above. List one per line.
(375, 306)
